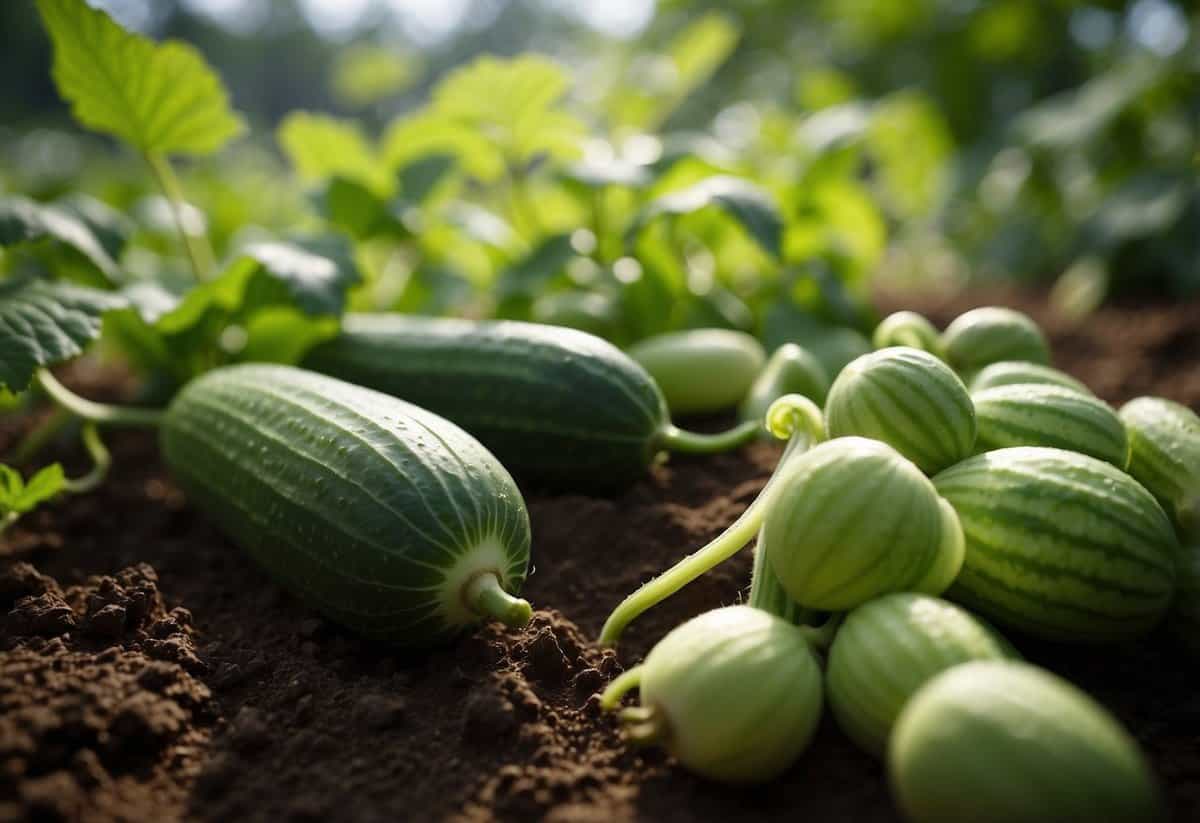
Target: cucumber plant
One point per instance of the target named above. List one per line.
(993, 334)
(701, 370)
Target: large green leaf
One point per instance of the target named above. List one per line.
(159, 97)
(25, 221)
(43, 323)
(745, 202)
(321, 147)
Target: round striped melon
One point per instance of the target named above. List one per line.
(1060, 545)
(888, 648)
(1000, 741)
(1164, 440)
(852, 519)
(1012, 372)
(989, 335)
(907, 328)
(1032, 414)
(910, 400)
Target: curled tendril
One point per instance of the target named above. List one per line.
(794, 414)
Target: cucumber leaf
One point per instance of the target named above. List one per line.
(321, 147)
(26, 221)
(158, 97)
(43, 323)
(745, 202)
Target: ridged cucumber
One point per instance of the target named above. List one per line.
(910, 400)
(891, 646)
(1011, 372)
(1006, 742)
(1031, 414)
(555, 405)
(1060, 545)
(383, 516)
(907, 328)
(989, 335)
(1164, 440)
(701, 370)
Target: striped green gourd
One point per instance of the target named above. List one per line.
(992, 334)
(1060, 545)
(790, 370)
(388, 519)
(1031, 414)
(852, 519)
(557, 406)
(1005, 742)
(701, 370)
(734, 694)
(1011, 372)
(1164, 439)
(888, 648)
(907, 328)
(910, 400)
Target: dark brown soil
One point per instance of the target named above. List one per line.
(148, 671)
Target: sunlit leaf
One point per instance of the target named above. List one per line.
(1078, 116)
(25, 221)
(752, 207)
(159, 97)
(364, 74)
(701, 48)
(912, 146)
(45, 484)
(321, 147)
(1147, 204)
(43, 323)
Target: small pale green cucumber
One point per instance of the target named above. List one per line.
(383, 516)
(1060, 545)
(1164, 440)
(790, 370)
(989, 335)
(1006, 742)
(1032, 414)
(907, 328)
(734, 694)
(853, 519)
(1010, 372)
(888, 648)
(702, 370)
(910, 400)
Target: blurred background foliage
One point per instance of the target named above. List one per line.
(633, 166)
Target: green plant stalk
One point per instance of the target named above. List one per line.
(791, 416)
(199, 251)
(768, 594)
(100, 413)
(101, 462)
(677, 440)
(487, 598)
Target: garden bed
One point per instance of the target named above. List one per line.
(157, 674)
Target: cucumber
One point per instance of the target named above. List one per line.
(384, 517)
(1010, 372)
(989, 335)
(891, 646)
(907, 328)
(910, 400)
(1164, 439)
(790, 370)
(1006, 742)
(1033, 414)
(1060, 545)
(701, 370)
(558, 407)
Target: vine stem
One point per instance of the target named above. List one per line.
(791, 416)
(90, 411)
(199, 252)
(101, 462)
(821, 637)
(675, 439)
(626, 682)
(487, 598)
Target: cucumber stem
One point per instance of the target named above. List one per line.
(487, 598)
(100, 413)
(625, 682)
(821, 637)
(101, 461)
(675, 439)
(768, 594)
(644, 726)
(199, 253)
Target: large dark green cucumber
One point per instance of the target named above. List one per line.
(385, 517)
(557, 406)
